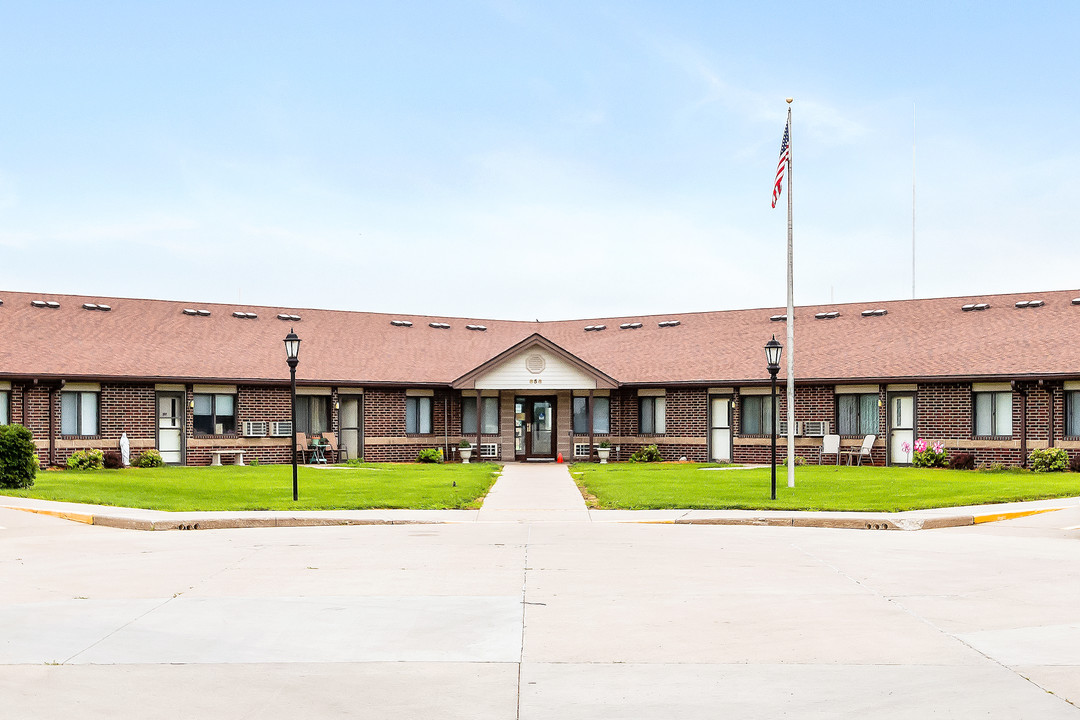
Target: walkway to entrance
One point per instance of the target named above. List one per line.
(534, 491)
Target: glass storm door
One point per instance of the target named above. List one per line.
(534, 427)
(350, 425)
(542, 433)
(901, 428)
(720, 429)
(170, 427)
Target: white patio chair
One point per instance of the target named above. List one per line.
(830, 445)
(862, 451)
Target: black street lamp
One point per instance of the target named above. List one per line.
(292, 356)
(773, 350)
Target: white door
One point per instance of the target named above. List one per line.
(901, 428)
(349, 426)
(170, 425)
(720, 429)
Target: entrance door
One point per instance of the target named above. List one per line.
(170, 427)
(720, 429)
(901, 428)
(534, 428)
(350, 425)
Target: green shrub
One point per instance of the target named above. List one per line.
(18, 457)
(149, 459)
(1049, 460)
(253, 462)
(929, 455)
(430, 455)
(649, 453)
(464, 444)
(86, 460)
(799, 460)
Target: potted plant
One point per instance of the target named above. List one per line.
(466, 451)
(603, 450)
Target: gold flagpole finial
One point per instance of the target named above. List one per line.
(790, 100)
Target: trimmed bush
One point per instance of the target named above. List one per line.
(799, 460)
(649, 453)
(149, 459)
(1049, 460)
(18, 457)
(962, 461)
(1074, 464)
(430, 455)
(113, 460)
(86, 460)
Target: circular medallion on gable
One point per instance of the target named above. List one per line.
(535, 364)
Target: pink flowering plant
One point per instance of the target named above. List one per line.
(929, 454)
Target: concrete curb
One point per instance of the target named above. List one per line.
(854, 522)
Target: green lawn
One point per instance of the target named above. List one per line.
(826, 487)
(269, 487)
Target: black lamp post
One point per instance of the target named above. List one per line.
(292, 356)
(773, 350)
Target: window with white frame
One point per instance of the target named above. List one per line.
(312, 414)
(215, 414)
(652, 415)
(79, 413)
(468, 416)
(993, 413)
(1072, 413)
(601, 415)
(755, 414)
(857, 414)
(5, 404)
(418, 415)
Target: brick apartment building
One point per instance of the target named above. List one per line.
(994, 375)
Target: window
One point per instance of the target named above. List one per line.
(993, 413)
(756, 414)
(857, 414)
(601, 421)
(652, 418)
(78, 413)
(215, 414)
(5, 419)
(312, 414)
(418, 415)
(1072, 413)
(468, 415)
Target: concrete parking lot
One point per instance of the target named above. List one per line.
(540, 618)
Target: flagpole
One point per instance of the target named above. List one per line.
(790, 323)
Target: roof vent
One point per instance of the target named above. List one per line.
(439, 326)
(201, 313)
(45, 303)
(286, 316)
(977, 306)
(630, 326)
(481, 328)
(89, 306)
(104, 308)
(982, 306)
(827, 315)
(1030, 303)
(595, 328)
(874, 313)
(401, 323)
(1076, 301)
(778, 318)
(669, 323)
(242, 315)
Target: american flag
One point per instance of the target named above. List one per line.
(777, 186)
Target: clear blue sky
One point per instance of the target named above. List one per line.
(534, 159)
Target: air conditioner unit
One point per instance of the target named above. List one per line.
(255, 428)
(489, 450)
(816, 428)
(281, 429)
(782, 428)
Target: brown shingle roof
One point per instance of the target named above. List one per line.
(146, 339)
